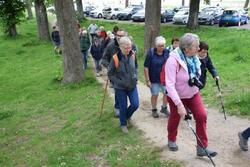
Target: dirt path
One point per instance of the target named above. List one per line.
(222, 135)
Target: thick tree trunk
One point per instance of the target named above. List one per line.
(193, 14)
(12, 30)
(152, 23)
(28, 7)
(42, 20)
(246, 4)
(80, 13)
(73, 71)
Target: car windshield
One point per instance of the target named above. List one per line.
(141, 12)
(230, 12)
(182, 12)
(127, 9)
(208, 12)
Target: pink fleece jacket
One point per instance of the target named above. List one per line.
(176, 76)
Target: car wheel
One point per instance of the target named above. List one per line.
(246, 22)
(212, 22)
(112, 17)
(220, 25)
(100, 15)
(129, 17)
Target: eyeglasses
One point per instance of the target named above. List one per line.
(160, 46)
(119, 35)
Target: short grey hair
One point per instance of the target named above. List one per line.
(187, 40)
(125, 40)
(160, 40)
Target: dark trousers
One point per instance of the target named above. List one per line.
(246, 133)
(127, 111)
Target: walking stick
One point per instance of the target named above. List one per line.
(188, 118)
(104, 95)
(221, 100)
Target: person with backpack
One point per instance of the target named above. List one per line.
(84, 45)
(56, 40)
(155, 59)
(182, 73)
(122, 72)
(206, 63)
(96, 51)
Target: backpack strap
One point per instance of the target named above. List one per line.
(116, 60)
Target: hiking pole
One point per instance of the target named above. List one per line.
(104, 95)
(221, 100)
(188, 118)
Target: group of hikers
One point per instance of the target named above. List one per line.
(177, 71)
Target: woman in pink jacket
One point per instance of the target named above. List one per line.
(182, 84)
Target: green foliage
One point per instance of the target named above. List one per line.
(11, 13)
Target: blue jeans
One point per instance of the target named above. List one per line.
(127, 111)
(98, 66)
(246, 133)
(116, 101)
(84, 59)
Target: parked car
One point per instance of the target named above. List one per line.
(209, 17)
(139, 16)
(177, 9)
(127, 13)
(110, 12)
(181, 16)
(97, 13)
(233, 17)
(167, 15)
(88, 9)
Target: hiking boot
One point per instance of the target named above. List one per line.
(202, 152)
(124, 129)
(243, 142)
(154, 113)
(172, 146)
(117, 112)
(164, 110)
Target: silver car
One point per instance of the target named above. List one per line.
(181, 16)
(110, 12)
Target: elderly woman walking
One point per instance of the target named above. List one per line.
(154, 61)
(182, 73)
(123, 73)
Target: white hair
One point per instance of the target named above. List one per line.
(187, 40)
(125, 40)
(160, 40)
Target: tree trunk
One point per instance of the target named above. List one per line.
(80, 13)
(152, 23)
(183, 3)
(126, 3)
(246, 4)
(42, 20)
(73, 71)
(28, 7)
(12, 30)
(193, 14)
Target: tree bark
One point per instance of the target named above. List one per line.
(73, 71)
(126, 3)
(193, 15)
(246, 4)
(42, 21)
(152, 23)
(28, 7)
(80, 13)
(12, 32)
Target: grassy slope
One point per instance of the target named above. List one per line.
(43, 123)
(230, 54)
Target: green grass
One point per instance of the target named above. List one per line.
(229, 52)
(44, 123)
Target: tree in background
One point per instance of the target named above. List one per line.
(152, 23)
(79, 11)
(73, 65)
(207, 2)
(28, 5)
(42, 20)
(126, 3)
(246, 4)
(11, 14)
(183, 2)
(193, 14)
